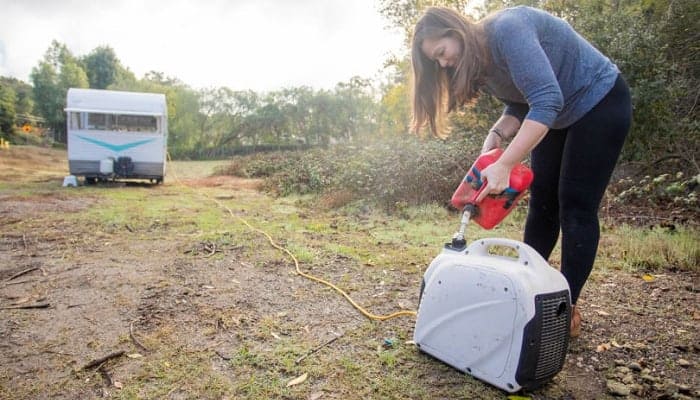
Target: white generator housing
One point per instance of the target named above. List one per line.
(501, 319)
(116, 135)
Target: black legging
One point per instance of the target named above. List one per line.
(572, 168)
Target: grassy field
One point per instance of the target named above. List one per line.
(203, 307)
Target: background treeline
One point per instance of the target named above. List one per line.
(654, 42)
(206, 123)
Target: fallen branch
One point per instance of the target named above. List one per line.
(26, 306)
(17, 275)
(316, 349)
(101, 360)
(20, 282)
(133, 338)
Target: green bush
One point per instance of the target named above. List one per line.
(397, 171)
(662, 191)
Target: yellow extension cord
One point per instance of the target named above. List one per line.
(296, 262)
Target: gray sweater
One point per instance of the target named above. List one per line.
(544, 71)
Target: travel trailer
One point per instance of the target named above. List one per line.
(115, 135)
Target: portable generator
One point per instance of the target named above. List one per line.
(501, 319)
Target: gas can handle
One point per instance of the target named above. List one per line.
(526, 254)
(478, 192)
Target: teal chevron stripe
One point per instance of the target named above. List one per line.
(115, 147)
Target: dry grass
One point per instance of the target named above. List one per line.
(224, 315)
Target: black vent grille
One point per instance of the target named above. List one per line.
(545, 340)
(555, 336)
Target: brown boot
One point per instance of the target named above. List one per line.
(575, 329)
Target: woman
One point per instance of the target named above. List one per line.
(565, 103)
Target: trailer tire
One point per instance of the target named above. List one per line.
(90, 180)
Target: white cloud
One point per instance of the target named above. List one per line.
(245, 44)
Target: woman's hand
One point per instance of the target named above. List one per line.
(504, 129)
(491, 142)
(497, 175)
(497, 179)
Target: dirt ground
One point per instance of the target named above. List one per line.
(80, 306)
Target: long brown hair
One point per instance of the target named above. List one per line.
(436, 90)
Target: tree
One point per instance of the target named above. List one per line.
(102, 67)
(56, 73)
(356, 109)
(296, 104)
(271, 121)
(655, 44)
(395, 104)
(24, 104)
(405, 13)
(7, 110)
(222, 115)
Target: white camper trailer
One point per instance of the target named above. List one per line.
(116, 135)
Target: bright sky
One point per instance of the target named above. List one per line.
(242, 44)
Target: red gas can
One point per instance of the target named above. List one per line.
(493, 208)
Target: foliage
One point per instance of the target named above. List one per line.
(632, 35)
(221, 115)
(394, 107)
(102, 67)
(394, 111)
(24, 102)
(229, 120)
(7, 110)
(393, 172)
(655, 44)
(58, 71)
(17, 110)
(405, 13)
(676, 192)
(213, 122)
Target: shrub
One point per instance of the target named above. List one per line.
(665, 190)
(403, 170)
(663, 200)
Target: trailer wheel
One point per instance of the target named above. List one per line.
(159, 181)
(90, 180)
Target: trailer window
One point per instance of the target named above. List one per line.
(136, 123)
(76, 121)
(122, 122)
(99, 122)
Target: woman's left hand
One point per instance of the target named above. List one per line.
(491, 141)
(497, 179)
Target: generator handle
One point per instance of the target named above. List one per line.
(481, 247)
